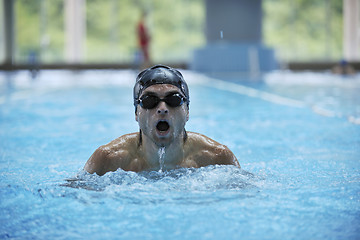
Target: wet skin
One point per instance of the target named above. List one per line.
(126, 153)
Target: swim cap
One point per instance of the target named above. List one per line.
(159, 74)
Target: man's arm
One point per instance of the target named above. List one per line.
(225, 156)
(97, 162)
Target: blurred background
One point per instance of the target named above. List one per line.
(203, 35)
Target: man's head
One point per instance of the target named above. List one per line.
(160, 94)
(159, 74)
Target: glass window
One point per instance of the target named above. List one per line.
(304, 30)
(176, 28)
(299, 30)
(39, 31)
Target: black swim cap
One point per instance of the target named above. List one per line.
(159, 74)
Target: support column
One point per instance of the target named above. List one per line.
(351, 30)
(234, 40)
(234, 21)
(75, 30)
(9, 31)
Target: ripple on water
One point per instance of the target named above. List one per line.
(184, 185)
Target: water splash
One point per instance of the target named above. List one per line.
(221, 35)
(161, 153)
(205, 179)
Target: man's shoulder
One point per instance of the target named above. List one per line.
(116, 154)
(124, 142)
(203, 147)
(200, 140)
(121, 146)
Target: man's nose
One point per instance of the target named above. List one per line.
(162, 108)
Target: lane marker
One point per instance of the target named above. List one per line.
(269, 97)
(324, 112)
(251, 92)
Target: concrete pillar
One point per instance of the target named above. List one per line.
(9, 31)
(234, 40)
(234, 21)
(75, 30)
(351, 30)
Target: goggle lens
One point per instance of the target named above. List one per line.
(150, 101)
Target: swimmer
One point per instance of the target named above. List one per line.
(161, 99)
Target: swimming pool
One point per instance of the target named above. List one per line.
(296, 135)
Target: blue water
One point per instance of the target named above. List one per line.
(296, 136)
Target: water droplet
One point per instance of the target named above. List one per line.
(161, 153)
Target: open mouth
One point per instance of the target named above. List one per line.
(162, 126)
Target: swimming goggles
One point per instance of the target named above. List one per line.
(151, 101)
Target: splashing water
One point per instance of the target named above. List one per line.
(221, 35)
(173, 182)
(161, 153)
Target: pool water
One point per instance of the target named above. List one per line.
(296, 136)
